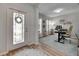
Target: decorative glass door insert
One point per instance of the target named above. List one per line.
(18, 28)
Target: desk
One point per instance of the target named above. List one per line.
(60, 34)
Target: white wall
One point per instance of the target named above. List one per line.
(44, 18)
(6, 30)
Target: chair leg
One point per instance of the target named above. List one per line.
(63, 39)
(70, 41)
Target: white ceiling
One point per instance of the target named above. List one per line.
(48, 8)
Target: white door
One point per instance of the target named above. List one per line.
(18, 27)
(15, 28)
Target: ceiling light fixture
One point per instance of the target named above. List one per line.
(58, 10)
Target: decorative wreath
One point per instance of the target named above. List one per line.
(17, 20)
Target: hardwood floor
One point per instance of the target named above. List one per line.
(38, 50)
(12, 52)
(50, 51)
